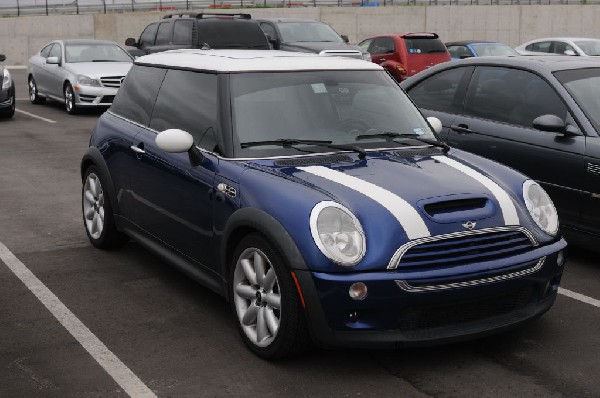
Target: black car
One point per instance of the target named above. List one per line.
(309, 36)
(7, 92)
(539, 115)
(199, 30)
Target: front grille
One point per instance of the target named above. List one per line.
(112, 81)
(464, 248)
(425, 317)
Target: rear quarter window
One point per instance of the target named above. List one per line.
(439, 92)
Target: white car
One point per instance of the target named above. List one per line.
(80, 73)
(561, 45)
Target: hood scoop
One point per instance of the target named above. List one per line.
(418, 152)
(459, 209)
(311, 161)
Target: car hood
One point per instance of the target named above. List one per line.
(317, 47)
(99, 69)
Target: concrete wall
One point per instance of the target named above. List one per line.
(22, 37)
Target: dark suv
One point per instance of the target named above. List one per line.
(199, 30)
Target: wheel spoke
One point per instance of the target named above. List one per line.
(246, 291)
(273, 299)
(94, 228)
(269, 280)
(101, 214)
(261, 325)
(89, 215)
(248, 271)
(99, 224)
(89, 196)
(93, 186)
(272, 321)
(249, 317)
(100, 197)
(259, 268)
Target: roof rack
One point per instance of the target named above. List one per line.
(203, 15)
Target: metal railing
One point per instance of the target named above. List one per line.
(53, 7)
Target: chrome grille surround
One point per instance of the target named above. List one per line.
(407, 287)
(397, 257)
(112, 81)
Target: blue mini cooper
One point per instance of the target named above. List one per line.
(311, 193)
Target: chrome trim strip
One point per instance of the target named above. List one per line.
(397, 257)
(407, 287)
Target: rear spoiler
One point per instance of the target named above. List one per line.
(422, 35)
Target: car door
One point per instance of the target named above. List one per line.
(441, 95)
(174, 196)
(56, 72)
(37, 65)
(499, 108)
(43, 70)
(148, 37)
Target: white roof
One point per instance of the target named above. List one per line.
(253, 61)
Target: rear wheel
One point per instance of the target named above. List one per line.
(34, 96)
(98, 215)
(70, 106)
(265, 301)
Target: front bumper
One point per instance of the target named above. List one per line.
(94, 96)
(391, 315)
(7, 97)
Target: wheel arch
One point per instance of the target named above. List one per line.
(93, 157)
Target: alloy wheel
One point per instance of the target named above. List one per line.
(93, 206)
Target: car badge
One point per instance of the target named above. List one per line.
(469, 225)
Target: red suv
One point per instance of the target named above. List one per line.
(406, 54)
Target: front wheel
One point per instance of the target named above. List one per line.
(70, 106)
(265, 301)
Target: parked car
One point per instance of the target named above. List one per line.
(199, 30)
(475, 48)
(539, 115)
(79, 73)
(561, 45)
(7, 92)
(319, 202)
(310, 36)
(404, 55)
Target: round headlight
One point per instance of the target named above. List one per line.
(337, 233)
(540, 207)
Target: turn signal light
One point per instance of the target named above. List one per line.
(358, 291)
(400, 69)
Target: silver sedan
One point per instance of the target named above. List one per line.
(80, 73)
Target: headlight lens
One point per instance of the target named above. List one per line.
(88, 81)
(6, 81)
(540, 207)
(337, 233)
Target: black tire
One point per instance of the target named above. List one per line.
(108, 236)
(292, 336)
(69, 97)
(34, 96)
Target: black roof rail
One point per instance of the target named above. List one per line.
(201, 15)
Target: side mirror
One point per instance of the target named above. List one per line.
(345, 38)
(2, 58)
(435, 123)
(570, 52)
(53, 61)
(273, 41)
(178, 141)
(554, 124)
(131, 42)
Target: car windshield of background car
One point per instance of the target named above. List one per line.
(584, 86)
(424, 46)
(488, 50)
(76, 53)
(307, 32)
(334, 106)
(590, 47)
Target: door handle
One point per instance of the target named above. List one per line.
(381, 59)
(137, 149)
(461, 128)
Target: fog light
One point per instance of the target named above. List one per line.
(358, 291)
(560, 258)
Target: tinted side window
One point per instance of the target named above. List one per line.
(268, 29)
(560, 47)
(459, 51)
(163, 36)
(46, 51)
(365, 44)
(148, 35)
(439, 92)
(188, 101)
(135, 99)
(182, 32)
(382, 45)
(541, 47)
(511, 96)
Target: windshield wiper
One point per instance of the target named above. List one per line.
(391, 136)
(290, 143)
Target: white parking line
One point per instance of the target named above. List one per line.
(36, 116)
(580, 297)
(109, 361)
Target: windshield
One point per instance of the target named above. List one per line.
(95, 53)
(584, 86)
(589, 47)
(307, 32)
(340, 107)
(489, 50)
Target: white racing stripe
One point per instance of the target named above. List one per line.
(509, 212)
(407, 216)
(580, 297)
(124, 377)
(35, 116)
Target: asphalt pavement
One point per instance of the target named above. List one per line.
(178, 339)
